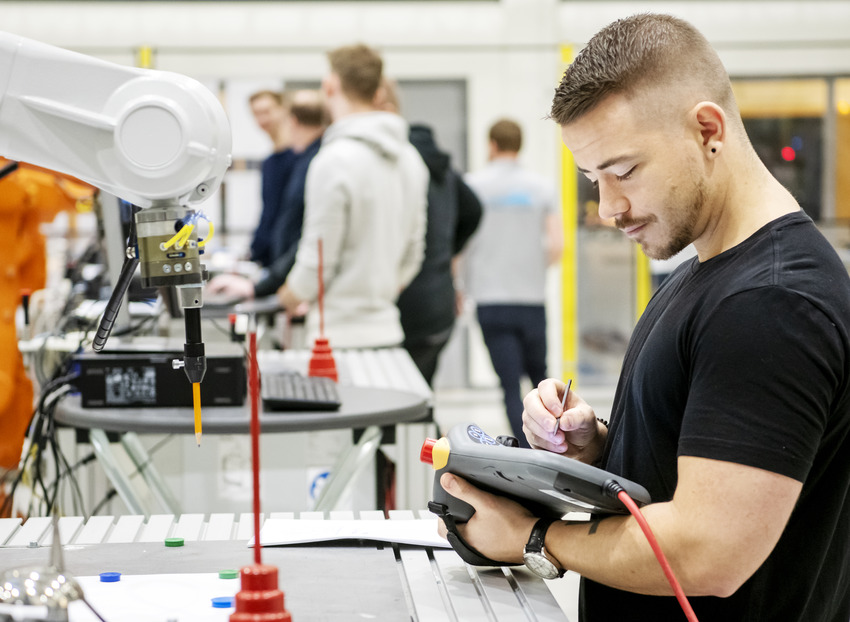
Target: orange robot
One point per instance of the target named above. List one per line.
(28, 196)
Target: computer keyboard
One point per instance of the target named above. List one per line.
(290, 391)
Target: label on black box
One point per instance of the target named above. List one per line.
(130, 385)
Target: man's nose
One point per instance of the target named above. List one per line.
(612, 203)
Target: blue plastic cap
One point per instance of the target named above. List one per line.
(110, 577)
(223, 602)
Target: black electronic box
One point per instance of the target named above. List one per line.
(143, 376)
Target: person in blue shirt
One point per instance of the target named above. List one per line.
(520, 236)
(270, 111)
(306, 121)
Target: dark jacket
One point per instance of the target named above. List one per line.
(427, 305)
(286, 230)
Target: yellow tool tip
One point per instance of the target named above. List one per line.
(196, 400)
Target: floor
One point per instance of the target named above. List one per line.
(484, 408)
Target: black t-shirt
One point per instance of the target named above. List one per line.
(746, 358)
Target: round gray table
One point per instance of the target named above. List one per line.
(361, 407)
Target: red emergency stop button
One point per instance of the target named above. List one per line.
(435, 453)
(426, 454)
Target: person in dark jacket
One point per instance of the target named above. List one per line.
(427, 304)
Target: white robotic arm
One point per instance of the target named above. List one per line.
(159, 140)
(146, 136)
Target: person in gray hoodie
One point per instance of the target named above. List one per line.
(365, 199)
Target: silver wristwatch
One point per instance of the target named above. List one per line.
(534, 556)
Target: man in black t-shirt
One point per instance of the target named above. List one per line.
(733, 405)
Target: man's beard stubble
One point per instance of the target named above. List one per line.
(681, 223)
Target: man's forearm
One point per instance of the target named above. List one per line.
(615, 552)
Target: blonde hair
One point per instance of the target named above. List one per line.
(359, 68)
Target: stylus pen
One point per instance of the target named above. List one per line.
(564, 399)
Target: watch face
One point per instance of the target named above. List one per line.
(539, 565)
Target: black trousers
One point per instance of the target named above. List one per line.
(515, 336)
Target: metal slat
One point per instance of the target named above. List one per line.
(31, 531)
(499, 593)
(188, 527)
(68, 527)
(157, 528)
(219, 527)
(245, 530)
(533, 595)
(8, 526)
(390, 369)
(415, 382)
(359, 372)
(94, 530)
(430, 598)
(126, 530)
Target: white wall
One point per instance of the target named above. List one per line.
(509, 51)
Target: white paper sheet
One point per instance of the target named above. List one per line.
(419, 532)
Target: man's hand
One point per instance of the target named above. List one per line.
(499, 529)
(288, 300)
(230, 286)
(574, 432)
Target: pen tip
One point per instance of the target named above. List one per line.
(198, 438)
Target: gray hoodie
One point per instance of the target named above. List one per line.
(366, 198)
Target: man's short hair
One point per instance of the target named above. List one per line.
(507, 135)
(275, 95)
(309, 108)
(645, 50)
(359, 68)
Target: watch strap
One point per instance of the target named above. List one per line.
(535, 547)
(538, 535)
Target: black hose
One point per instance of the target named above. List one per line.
(114, 304)
(9, 168)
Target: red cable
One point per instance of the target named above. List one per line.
(254, 388)
(659, 554)
(321, 293)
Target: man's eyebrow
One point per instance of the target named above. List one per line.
(609, 163)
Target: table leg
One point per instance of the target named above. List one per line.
(105, 456)
(349, 465)
(144, 464)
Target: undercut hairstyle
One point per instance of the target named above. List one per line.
(309, 109)
(276, 96)
(359, 68)
(639, 53)
(507, 135)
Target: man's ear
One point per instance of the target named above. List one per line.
(710, 122)
(330, 85)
